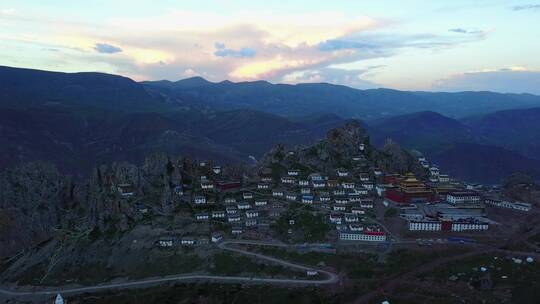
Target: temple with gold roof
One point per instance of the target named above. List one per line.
(408, 189)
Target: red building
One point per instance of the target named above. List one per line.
(409, 190)
(446, 225)
(223, 186)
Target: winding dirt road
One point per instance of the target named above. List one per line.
(32, 293)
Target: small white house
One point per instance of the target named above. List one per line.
(354, 197)
(179, 190)
(303, 182)
(324, 197)
(288, 180)
(340, 208)
(125, 190)
(141, 208)
(243, 206)
(202, 216)
(366, 204)
(230, 200)
(207, 185)
(277, 193)
(335, 218)
(218, 214)
(236, 230)
(251, 222)
(261, 202)
(311, 273)
(342, 200)
(444, 178)
(262, 186)
(351, 218)
(368, 186)
(316, 177)
(216, 237)
(234, 218)
(307, 199)
(165, 242)
(318, 184)
(187, 241)
(347, 185)
(361, 191)
(252, 213)
(266, 179)
(200, 200)
(231, 210)
(358, 210)
(340, 191)
(291, 196)
(342, 172)
(293, 172)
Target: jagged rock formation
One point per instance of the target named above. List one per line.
(38, 203)
(34, 199)
(338, 149)
(392, 158)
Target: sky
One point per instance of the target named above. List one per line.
(438, 45)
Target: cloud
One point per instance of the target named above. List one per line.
(7, 11)
(241, 46)
(337, 44)
(390, 42)
(244, 52)
(465, 31)
(190, 73)
(526, 7)
(506, 80)
(351, 78)
(458, 30)
(105, 48)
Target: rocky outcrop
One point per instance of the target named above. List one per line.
(37, 202)
(34, 199)
(392, 158)
(347, 139)
(338, 149)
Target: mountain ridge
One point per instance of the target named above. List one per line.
(77, 119)
(306, 98)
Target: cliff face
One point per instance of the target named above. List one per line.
(34, 199)
(392, 158)
(38, 203)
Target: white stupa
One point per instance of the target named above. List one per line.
(59, 299)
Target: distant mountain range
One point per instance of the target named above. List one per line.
(77, 120)
(484, 148)
(427, 131)
(517, 130)
(301, 99)
(82, 119)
